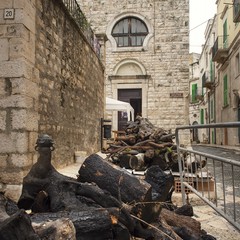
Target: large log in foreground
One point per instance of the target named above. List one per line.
(118, 182)
(90, 224)
(122, 185)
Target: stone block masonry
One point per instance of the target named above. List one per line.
(51, 81)
(164, 56)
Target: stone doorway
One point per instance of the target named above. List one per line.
(134, 97)
(195, 133)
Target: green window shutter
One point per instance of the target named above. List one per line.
(194, 92)
(202, 116)
(212, 110)
(225, 91)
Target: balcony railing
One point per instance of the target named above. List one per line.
(197, 97)
(80, 19)
(236, 11)
(220, 49)
(208, 79)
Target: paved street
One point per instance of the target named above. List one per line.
(219, 151)
(225, 177)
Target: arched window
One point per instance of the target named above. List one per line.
(130, 32)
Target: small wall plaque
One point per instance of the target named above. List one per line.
(8, 13)
(176, 95)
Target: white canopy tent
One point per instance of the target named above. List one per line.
(116, 105)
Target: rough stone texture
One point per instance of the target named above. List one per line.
(51, 81)
(71, 84)
(165, 57)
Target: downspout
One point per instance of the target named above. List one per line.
(209, 117)
(154, 24)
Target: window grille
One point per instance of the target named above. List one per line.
(130, 32)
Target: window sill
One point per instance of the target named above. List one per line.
(130, 49)
(226, 106)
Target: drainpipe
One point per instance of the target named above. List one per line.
(209, 118)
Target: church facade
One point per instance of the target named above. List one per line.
(145, 50)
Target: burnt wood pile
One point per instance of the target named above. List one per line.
(103, 202)
(143, 145)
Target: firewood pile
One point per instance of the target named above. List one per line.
(143, 145)
(103, 202)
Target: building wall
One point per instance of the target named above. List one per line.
(229, 67)
(71, 82)
(194, 106)
(162, 63)
(207, 69)
(51, 81)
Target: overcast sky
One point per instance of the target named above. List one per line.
(200, 12)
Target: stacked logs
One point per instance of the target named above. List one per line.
(104, 202)
(142, 146)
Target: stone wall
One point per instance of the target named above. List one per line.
(71, 84)
(51, 81)
(164, 57)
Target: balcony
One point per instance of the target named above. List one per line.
(220, 49)
(197, 97)
(208, 79)
(236, 11)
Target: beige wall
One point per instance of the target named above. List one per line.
(229, 67)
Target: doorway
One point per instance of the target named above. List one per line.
(195, 133)
(134, 97)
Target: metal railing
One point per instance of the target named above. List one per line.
(214, 179)
(80, 19)
(236, 11)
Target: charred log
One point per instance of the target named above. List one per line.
(18, 226)
(161, 183)
(119, 183)
(183, 225)
(91, 224)
(125, 187)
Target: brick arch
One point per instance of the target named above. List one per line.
(124, 15)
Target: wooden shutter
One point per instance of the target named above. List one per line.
(194, 92)
(225, 91)
(202, 116)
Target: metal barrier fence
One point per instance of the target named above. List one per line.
(214, 179)
(80, 19)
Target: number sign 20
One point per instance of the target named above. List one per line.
(8, 13)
